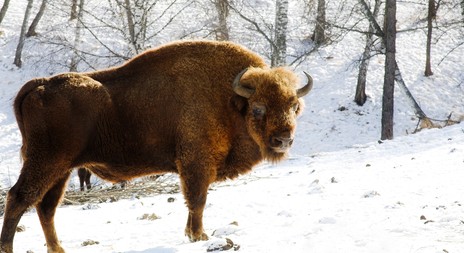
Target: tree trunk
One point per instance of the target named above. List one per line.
(73, 10)
(22, 36)
(77, 38)
(279, 53)
(402, 85)
(372, 20)
(130, 23)
(137, 21)
(390, 67)
(398, 77)
(35, 22)
(360, 96)
(3, 10)
(222, 31)
(430, 17)
(462, 11)
(319, 31)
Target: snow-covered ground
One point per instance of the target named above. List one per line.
(340, 190)
(399, 196)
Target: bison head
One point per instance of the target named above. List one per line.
(272, 104)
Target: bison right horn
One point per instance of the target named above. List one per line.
(239, 89)
(307, 88)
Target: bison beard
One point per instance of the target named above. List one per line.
(205, 110)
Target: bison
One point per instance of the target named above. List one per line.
(206, 110)
(84, 177)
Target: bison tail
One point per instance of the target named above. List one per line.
(22, 94)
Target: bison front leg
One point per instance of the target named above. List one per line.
(195, 182)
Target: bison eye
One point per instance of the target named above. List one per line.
(295, 107)
(258, 110)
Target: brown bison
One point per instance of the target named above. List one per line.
(84, 175)
(84, 178)
(206, 110)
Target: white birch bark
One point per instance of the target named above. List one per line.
(77, 38)
(280, 40)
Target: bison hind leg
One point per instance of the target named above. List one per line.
(44, 190)
(46, 209)
(16, 205)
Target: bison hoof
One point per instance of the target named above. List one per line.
(6, 248)
(55, 249)
(195, 238)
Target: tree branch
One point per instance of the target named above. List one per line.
(257, 27)
(371, 18)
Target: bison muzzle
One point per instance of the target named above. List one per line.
(208, 111)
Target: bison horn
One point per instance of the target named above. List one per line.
(307, 88)
(239, 89)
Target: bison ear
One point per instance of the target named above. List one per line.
(239, 103)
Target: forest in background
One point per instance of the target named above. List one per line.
(82, 35)
(94, 34)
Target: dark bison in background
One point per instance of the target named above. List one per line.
(206, 110)
(84, 178)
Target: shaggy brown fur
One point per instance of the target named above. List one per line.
(170, 109)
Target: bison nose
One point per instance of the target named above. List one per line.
(281, 142)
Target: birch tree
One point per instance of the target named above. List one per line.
(77, 37)
(222, 9)
(22, 37)
(279, 53)
(74, 14)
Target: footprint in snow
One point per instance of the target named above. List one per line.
(225, 231)
(371, 194)
(327, 220)
(315, 188)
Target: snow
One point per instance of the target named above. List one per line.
(341, 190)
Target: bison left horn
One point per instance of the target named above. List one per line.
(239, 89)
(307, 88)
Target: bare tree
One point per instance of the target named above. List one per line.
(31, 31)
(22, 37)
(390, 67)
(222, 8)
(122, 32)
(131, 25)
(273, 32)
(319, 31)
(430, 17)
(141, 24)
(256, 27)
(74, 11)
(426, 122)
(279, 52)
(462, 10)
(360, 95)
(4, 9)
(77, 37)
(137, 15)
